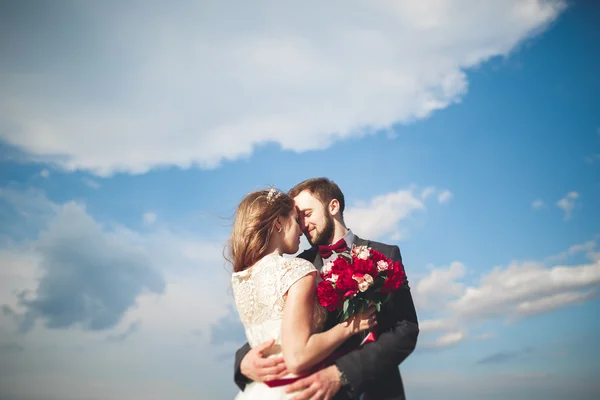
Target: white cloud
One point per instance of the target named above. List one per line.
(538, 204)
(428, 191)
(19, 273)
(44, 173)
(484, 336)
(587, 248)
(552, 302)
(446, 340)
(187, 90)
(567, 203)
(150, 217)
(516, 291)
(71, 245)
(91, 183)
(504, 289)
(382, 215)
(72, 248)
(445, 196)
(105, 358)
(434, 325)
(433, 290)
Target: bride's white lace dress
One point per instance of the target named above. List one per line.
(259, 297)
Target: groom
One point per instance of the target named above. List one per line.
(371, 370)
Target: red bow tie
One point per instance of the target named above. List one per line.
(338, 247)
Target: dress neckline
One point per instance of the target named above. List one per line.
(257, 264)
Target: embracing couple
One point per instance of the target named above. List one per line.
(297, 349)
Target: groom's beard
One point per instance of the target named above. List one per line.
(323, 237)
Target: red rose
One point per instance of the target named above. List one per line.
(390, 285)
(341, 266)
(377, 256)
(398, 269)
(346, 283)
(327, 295)
(365, 267)
(396, 277)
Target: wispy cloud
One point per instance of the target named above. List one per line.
(121, 337)
(435, 325)
(588, 248)
(150, 217)
(554, 301)
(484, 336)
(228, 329)
(538, 204)
(445, 196)
(91, 183)
(506, 356)
(444, 341)
(567, 204)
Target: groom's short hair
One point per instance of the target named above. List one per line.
(323, 189)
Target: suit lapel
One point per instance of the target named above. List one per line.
(360, 242)
(318, 262)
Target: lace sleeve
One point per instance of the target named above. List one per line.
(292, 270)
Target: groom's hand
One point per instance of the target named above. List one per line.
(257, 368)
(323, 384)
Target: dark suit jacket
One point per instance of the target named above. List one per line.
(373, 368)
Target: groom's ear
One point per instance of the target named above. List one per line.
(334, 207)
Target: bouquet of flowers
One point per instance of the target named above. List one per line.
(354, 281)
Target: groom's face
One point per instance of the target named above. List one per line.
(315, 220)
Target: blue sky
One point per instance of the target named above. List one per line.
(468, 135)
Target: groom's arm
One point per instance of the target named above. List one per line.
(251, 364)
(240, 379)
(396, 340)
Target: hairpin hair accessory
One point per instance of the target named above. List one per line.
(272, 195)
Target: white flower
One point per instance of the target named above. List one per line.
(327, 268)
(361, 252)
(382, 265)
(364, 282)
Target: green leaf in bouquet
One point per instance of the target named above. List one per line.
(351, 308)
(364, 306)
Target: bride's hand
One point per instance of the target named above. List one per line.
(362, 321)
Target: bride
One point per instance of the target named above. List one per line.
(275, 296)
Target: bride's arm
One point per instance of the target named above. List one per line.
(301, 348)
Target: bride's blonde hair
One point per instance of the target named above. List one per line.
(254, 223)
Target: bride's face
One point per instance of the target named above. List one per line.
(291, 234)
